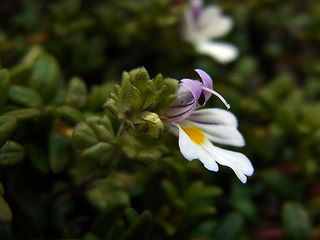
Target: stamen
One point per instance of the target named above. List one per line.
(217, 95)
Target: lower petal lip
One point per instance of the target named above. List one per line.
(210, 155)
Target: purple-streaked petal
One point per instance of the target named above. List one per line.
(184, 105)
(176, 114)
(214, 116)
(219, 125)
(207, 82)
(194, 86)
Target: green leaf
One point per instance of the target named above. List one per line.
(83, 136)
(230, 227)
(108, 191)
(170, 190)
(7, 126)
(99, 159)
(167, 227)
(102, 225)
(97, 97)
(142, 147)
(97, 150)
(77, 93)
(19, 73)
(90, 236)
(115, 231)
(131, 215)
(1, 189)
(296, 222)
(25, 97)
(59, 152)
(282, 184)
(139, 77)
(201, 211)
(102, 128)
(278, 89)
(11, 153)
(4, 85)
(244, 70)
(24, 114)
(5, 211)
(70, 114)
(44, 77)
(39, 158)
(140, 228)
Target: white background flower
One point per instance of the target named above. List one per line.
(202, 25)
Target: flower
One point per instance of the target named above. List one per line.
(197, 128)
(203, 24)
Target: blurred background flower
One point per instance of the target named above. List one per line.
(202, 24)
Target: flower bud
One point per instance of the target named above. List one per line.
(151, 124)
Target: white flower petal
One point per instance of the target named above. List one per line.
(222, 52)
(219, 126)
(188, 148)
(191, 151)
(210, 155)
(173, 128)
(213, 23)
(190, 28)
(214, 115)
(207, 161)
(238, 162)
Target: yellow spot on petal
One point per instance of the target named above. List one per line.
(195, 134)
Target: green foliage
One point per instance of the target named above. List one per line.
(11, 153)
(139, 93)
(138, 104)
(4, 85)
(296, 222)
(7, 126)
(5, 213)
(96, 138)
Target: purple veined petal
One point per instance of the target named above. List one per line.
(194, 86)
(219, 125)
(184, 105)
(176, 113)
(191, 94)
(207, 82)
(207, 88)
